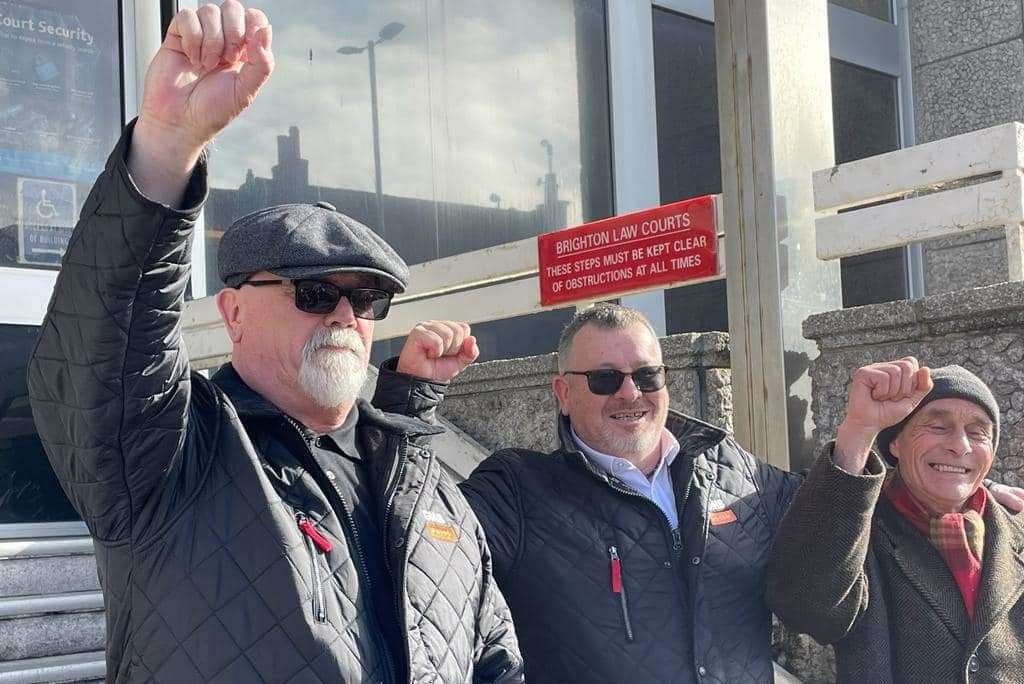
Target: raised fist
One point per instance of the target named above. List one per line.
(210, 67)
(437, 350)
(883, 394)
(880, 395)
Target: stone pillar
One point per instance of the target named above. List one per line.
(968, 73)
(981, 329)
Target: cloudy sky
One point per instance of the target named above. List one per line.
(467, 91)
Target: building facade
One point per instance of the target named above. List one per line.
(451, 127)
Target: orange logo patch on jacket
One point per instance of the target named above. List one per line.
(440, 529)
(723, 517)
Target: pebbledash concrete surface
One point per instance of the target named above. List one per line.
(981, 329)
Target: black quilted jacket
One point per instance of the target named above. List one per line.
(194, 489)
(692, 607)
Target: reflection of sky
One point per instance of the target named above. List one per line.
(466, 94)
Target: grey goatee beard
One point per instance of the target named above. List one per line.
(333, 377)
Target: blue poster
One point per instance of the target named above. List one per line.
(61, 104)
(46, 217)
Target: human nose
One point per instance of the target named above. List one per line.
(628, 390)
(342, 315)
(959, 442)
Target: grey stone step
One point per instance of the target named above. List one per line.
(40, 575)
(78, 667)
(57, 624)
(51, 635)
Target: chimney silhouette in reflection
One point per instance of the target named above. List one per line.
(420, 229)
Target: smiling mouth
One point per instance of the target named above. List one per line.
(629, 417)
(946, 468)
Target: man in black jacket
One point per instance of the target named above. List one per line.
(635, 552)
(263, 526)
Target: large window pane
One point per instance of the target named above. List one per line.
(865, 122)
(492, 124)
(29, 491)
(689, 162)
(60, 113)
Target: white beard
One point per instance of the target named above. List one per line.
(331, 377)
(631, 447)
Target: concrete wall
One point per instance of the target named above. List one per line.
(510, 404)
(968, 73)
(980, 329)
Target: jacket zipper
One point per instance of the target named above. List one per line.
(675, 535)
(619, 588)
(378, 634)
(390, 492)
(314, 541)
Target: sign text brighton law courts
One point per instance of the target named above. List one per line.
(661, 246)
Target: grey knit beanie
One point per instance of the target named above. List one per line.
(951, 382)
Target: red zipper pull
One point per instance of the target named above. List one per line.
(616, 567)
(322, 542)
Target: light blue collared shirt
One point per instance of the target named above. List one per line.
(658, 488)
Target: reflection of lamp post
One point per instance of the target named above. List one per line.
(387, 33)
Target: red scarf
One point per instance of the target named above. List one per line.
(958, 537)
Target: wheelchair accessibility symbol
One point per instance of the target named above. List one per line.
(45, 209)
(46, 217)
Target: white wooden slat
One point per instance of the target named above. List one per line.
(991, 150)
(511, 259)
(993, 203)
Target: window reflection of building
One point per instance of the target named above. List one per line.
(466, 93)
(459, 227)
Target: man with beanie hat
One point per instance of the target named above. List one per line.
(913, 573)
(264, 525)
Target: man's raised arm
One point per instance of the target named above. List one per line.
(108, 379)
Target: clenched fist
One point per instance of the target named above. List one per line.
(880, 395)
(210, 67)
(438, 350)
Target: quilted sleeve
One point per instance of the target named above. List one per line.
(109, 378)
(816, 578)
(407, 395)
(493, 493)
(497, 658)
(777, 489)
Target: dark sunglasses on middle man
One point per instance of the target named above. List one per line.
(321, 297)
(606, 381)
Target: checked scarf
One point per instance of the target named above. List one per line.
(958, 537)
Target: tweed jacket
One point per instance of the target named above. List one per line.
(849, 570)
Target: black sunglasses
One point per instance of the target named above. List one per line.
(321, 297)
(606, 381)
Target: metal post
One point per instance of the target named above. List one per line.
(775, 113)
(381, 226)
(635, 126)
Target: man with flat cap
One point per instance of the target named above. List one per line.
(262, 526)
(914, 573)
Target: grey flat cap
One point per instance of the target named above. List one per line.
(307, 241)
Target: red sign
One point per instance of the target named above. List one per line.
(659, 246)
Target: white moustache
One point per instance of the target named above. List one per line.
(341, 338)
